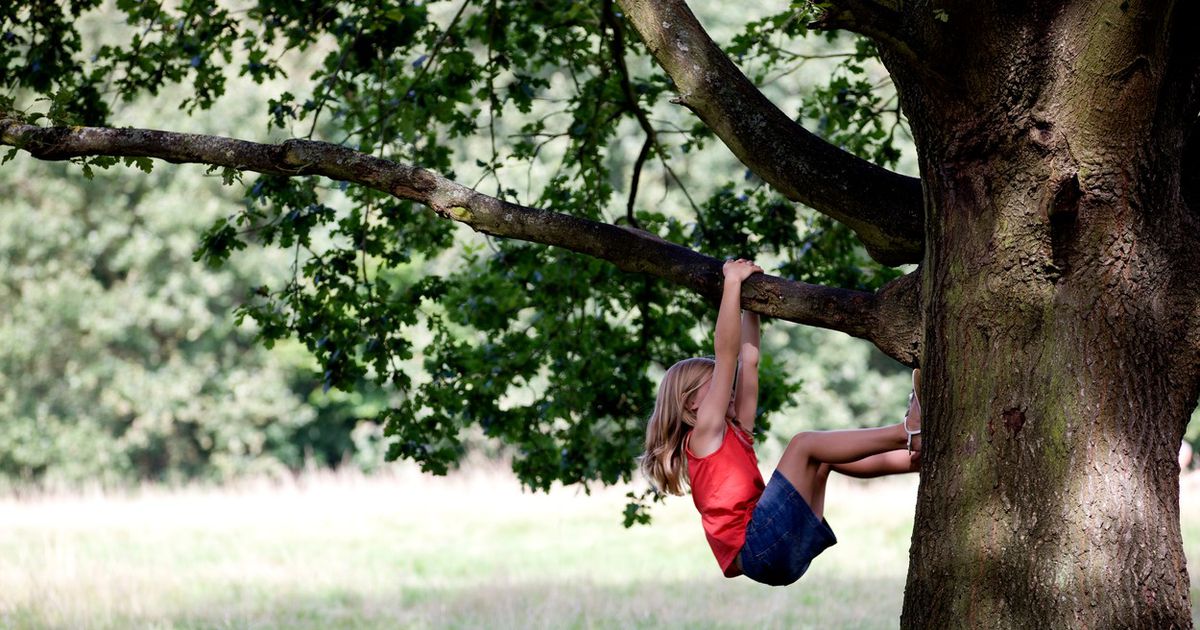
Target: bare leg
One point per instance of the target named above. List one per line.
(817, 504)
(889, 463)
(859, 453)
(809, 456)
(893, 462)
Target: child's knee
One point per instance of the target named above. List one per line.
(806, 437)
(800, 445)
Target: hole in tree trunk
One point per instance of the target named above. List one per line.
(1014, 420)
(1063, 214)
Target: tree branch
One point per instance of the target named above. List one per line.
(617, 50)
(871, 316)
(869, 18)
(882, 207)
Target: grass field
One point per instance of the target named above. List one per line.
(411, 551)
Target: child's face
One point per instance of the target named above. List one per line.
(703, 392)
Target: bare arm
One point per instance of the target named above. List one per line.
(746, 397)
(716, 396)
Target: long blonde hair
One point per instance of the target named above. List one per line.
(663, 463)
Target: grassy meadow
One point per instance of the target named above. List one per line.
(405, 550)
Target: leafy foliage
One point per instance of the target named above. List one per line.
(119, 359)
(551, 352)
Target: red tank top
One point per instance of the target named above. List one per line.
(726, 486)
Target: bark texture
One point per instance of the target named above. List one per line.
(1059, 297)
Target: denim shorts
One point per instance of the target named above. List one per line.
(783, 535)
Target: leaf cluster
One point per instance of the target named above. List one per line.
(546, 103)
(123, 362)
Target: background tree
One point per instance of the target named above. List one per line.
(1053, 310)
(122, 359)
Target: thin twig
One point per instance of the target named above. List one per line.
(327, 84)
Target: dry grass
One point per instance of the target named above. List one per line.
(411, 551)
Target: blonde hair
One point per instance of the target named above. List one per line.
(663, 463)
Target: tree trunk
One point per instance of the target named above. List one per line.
(1059, 374)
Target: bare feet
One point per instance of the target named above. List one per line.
(912, 418)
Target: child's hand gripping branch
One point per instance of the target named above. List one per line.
(700, 433)
(714, 404)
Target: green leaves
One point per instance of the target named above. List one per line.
(217, 243)
(120, 359)
(854, 106)
(637, 511)
(144, 164)
(544, 104)
(855, 113)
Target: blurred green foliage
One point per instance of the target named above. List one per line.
(438, 334)
(121, 359)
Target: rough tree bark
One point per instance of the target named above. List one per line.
(1059, 299)
(1060, 266)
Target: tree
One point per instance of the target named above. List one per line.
(122, 359)
(1053, 309)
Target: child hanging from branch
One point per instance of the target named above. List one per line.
(700, 434)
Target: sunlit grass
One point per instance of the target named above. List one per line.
(411, 551)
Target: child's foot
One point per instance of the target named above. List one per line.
(912, 418)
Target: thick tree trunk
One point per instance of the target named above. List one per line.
(1058, 285)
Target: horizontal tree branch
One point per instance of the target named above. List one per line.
(857, 313)
(882, 207)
